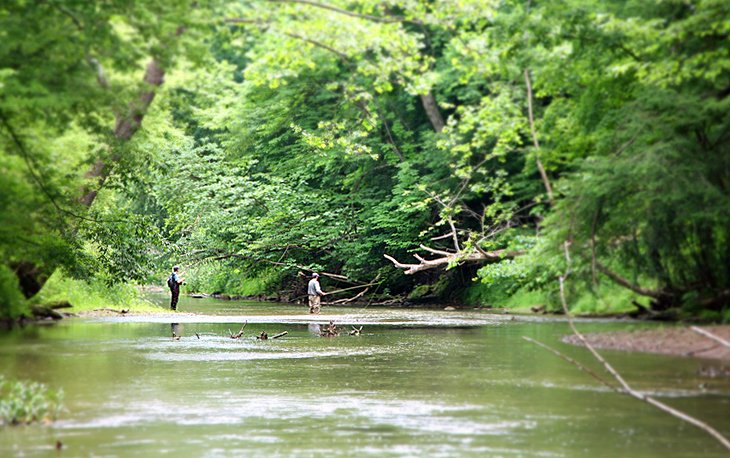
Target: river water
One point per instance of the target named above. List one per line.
(415, 383)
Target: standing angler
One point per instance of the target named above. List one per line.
(315, 292)
(174, 282)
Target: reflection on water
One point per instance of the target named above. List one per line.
(314, 328)
(177, 330)
(425, 390)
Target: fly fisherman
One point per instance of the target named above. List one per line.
(315, 293)
(174, 282)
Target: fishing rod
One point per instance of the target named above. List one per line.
(352, 287)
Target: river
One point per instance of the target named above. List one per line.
(415, 383)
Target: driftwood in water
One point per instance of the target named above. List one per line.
(330, 330)
(59, 305)
(41, 311)
(356, 331)
(714, 372)
(395, 300)
(239, 334)
(265, 336)
(107, 309)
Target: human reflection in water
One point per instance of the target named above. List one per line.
(177, 330)
(314, 328)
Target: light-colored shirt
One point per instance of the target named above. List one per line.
(313, 289)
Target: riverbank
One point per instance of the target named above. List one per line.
(676, 341)
(124, 312)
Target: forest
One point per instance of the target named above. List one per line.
(464, 151)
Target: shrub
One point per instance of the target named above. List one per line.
(25, 402)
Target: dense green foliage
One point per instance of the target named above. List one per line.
(67, 70)
(291, 135)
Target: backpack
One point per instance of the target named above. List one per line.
(171, 282)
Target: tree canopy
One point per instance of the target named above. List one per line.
(250, 140)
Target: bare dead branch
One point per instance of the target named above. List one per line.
(656, 294)
(454, 233)
(573, 362)
(474, 256)
(264, 25)
(710, 335)
(627, 389)
(239, 334)
(369, 17)
(543, 174)
(594, 225)
(318, 44)
(441, 237)
(329, 330)
(435, 251)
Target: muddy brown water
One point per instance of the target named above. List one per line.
(415, 383)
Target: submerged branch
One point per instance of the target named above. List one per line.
(627, 389)
(239, 334)
(573, 362)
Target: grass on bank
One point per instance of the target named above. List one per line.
(606, 299)
(91, 295)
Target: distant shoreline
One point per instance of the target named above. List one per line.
(676, 341)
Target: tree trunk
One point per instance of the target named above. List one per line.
(126, 126)
(535, 142)
(432, 110)
(32, 277)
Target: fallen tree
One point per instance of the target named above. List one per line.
(448, 258)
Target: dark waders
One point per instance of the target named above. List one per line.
(175, 290)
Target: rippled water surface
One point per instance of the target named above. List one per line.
(415, 383)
